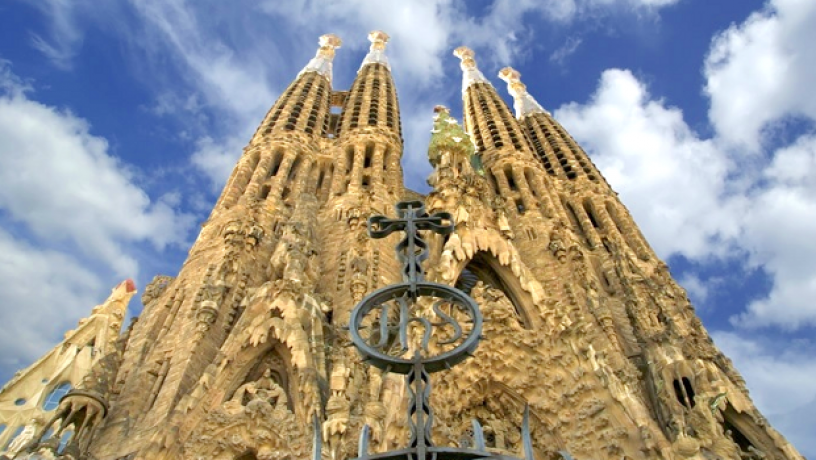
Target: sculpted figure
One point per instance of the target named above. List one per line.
(264, 389)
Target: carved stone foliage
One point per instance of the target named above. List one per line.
(155, 288)
(260, 426)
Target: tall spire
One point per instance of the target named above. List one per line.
(376, 54)
(322, 62)
(470, 73)
(524, 103)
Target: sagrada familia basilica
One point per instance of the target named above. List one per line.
(587, 348)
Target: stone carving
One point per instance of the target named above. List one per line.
(264, 391)
(156, 287)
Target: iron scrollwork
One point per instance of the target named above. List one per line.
(416, 328)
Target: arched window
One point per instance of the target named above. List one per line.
(19, 402)
(481, 268)
(52, 400)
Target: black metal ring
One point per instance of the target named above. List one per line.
(424, 289)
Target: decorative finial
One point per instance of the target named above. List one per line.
(524, 103)
(322, 62)
(470, 73)
(376, 55)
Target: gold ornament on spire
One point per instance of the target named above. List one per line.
(470, 73)
(322, 62)
(376, 54)
(524, 103)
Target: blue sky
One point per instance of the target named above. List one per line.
(120, 121)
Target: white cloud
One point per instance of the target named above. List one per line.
(43, 293)
(780, 381)
(779, 232)
(673, 182)
(566, 50)
(66, 36)
(698, 288)
(62, 182)
(763, 71)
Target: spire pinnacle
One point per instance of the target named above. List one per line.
(376, 55)
(470, 73)
(322, 62)
(524, 103)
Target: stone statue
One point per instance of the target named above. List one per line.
(264, 389)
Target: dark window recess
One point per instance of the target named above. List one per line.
(684, 392)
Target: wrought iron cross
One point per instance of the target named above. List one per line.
(412, 250)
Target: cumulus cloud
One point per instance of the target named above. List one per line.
(43, 293)
(779, 229)
(672, 181)
(62, 183)
(762, 71)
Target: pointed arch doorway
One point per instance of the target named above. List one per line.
(484, 267)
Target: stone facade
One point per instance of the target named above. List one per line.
(243, 355)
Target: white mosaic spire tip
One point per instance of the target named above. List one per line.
(523, 102)
(322, 62)
(470, 73)
(376, 55)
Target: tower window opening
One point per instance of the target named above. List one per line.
(494, 183)
(576, 224)
(605, 283)
(689, 390)
(265, 192)
(349, 159)
(320, 177)
(293, 170)
(684, 392)
(366, 181)
(528, 176)
(511, 182)
(591, 214)
(335, 109)
(520, 206)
